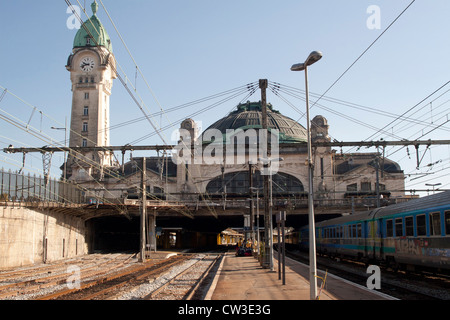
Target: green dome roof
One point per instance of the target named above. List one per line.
(92, 33)
(249, 116)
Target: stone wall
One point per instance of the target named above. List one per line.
(29, 237)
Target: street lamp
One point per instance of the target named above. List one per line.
(312, 58)
(65, 145)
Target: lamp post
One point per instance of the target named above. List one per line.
(65, 145)
(312, 58)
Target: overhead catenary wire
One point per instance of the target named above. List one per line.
(410, 109)
(179, 107)
(363, 53)
(281, 90)
(278, 89)
(249, 87)
(46, 139)
(204, 109)
(31, 130)
(292, 91)
(358, 58)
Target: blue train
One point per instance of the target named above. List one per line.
(414, 235)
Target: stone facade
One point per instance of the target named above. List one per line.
(336, 176)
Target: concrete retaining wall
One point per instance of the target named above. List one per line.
(28, 237)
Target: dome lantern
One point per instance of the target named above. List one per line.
(92, 33)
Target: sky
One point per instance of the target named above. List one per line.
(187, 50)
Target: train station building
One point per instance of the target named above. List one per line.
(220, 169)
(213, 172)
(210, 181)
(205, 183)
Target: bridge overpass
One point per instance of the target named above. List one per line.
(196, 209)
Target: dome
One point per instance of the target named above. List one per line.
(249, 116)
(92, 33)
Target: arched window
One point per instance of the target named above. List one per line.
(238, 183)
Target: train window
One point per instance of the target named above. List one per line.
(354, 231)
(435, 224)
(421, 225)
(409, 226)
(447, 222)
(389, 228)
(399, 227)
(359, 230)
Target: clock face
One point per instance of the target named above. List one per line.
(87, 64)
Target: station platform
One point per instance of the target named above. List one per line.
(243, 278)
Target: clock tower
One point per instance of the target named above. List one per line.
(92, 69)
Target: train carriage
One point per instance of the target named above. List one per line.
(344, 236)
(417, 233)
(412, 235)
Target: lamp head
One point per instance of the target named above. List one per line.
(312, 58)
(298, 67)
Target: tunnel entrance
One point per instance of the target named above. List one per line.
(120, 234)
(115, 234)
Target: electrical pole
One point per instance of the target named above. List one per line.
(143, 210)
(252, 211)
(377, 184)
(267, 259)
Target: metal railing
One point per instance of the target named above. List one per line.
(20, 187)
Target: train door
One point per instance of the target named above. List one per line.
(365, 234)
(378, 243)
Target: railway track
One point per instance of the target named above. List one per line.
(401, 285)
(186, 284)
(31, 282)
(109, 287)
(110, 277)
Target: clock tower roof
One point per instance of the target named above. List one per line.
(92, 33)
